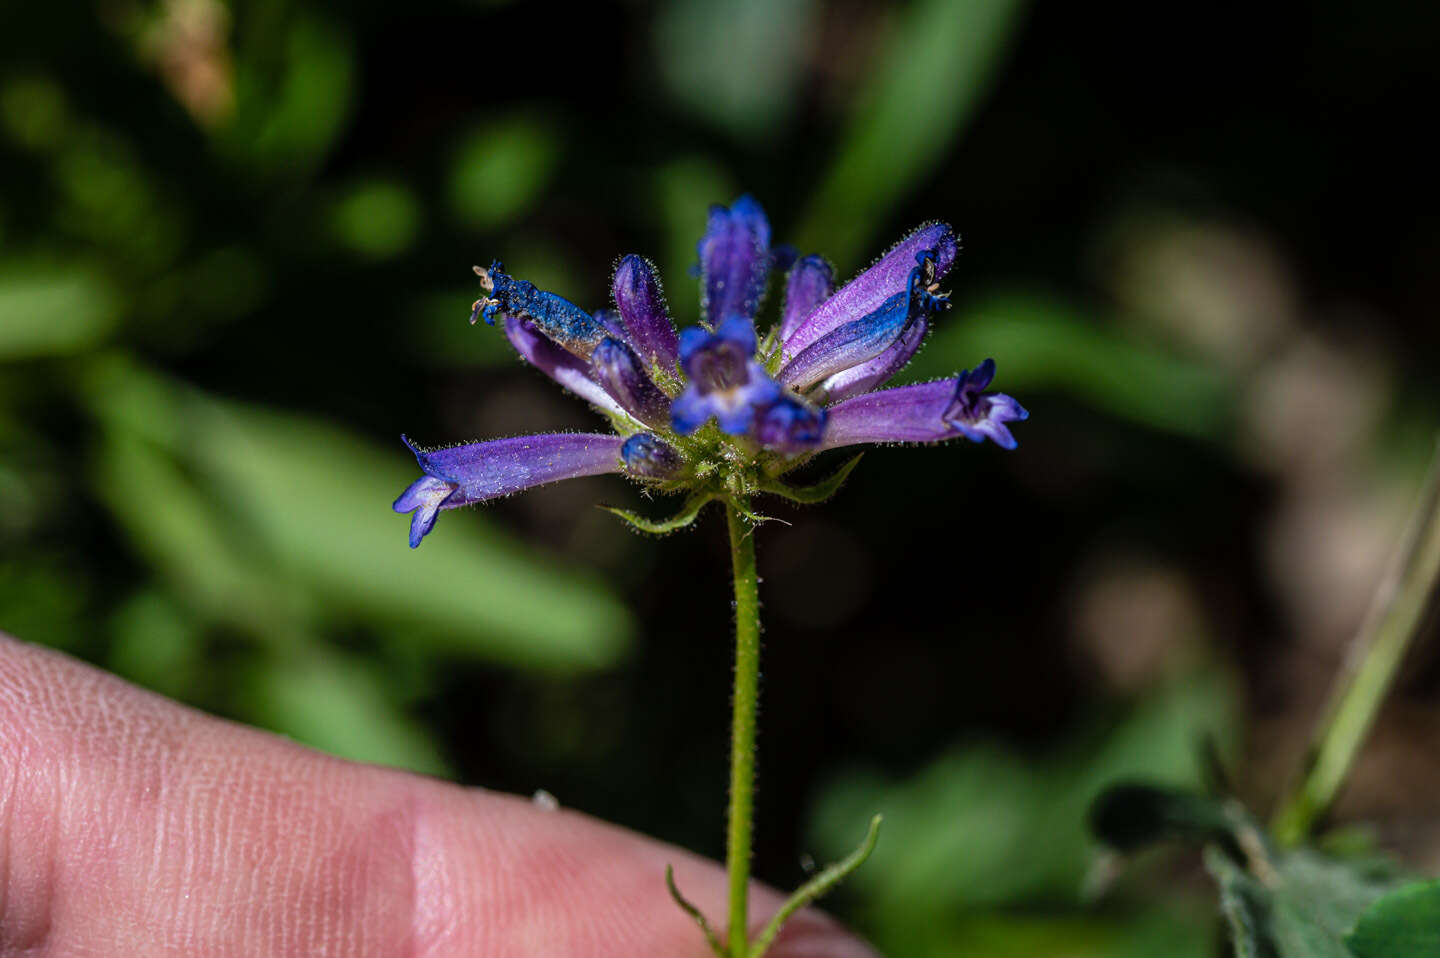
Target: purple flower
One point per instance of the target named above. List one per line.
(812, 384)
(459, 475)
(725, 380)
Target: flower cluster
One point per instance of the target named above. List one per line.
(715, 409)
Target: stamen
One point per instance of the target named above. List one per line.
(486, 283)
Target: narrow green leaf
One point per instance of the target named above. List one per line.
(816, 887)
(660, 527)
(694, 912)
(818, 492)
(52, 310)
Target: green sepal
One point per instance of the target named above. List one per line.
(816, 887)
(819, 492)
(660, 527)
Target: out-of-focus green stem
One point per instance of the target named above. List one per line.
(1396, 615)
(742, 738)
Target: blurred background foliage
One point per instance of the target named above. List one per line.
(234, 266)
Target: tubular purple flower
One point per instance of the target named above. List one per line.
(810, 283)
(642, 309)
(734, 260)
(563, 366)
(725, 380)
(867, 292)
(875, 372)
(460, 475)
(926, 412)
(619, 370)
(648, 456)
(860, 340)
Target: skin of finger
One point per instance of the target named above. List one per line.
(130, 825)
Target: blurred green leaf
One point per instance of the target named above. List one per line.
(309, 506)
(500, 169)
(1037, 934)
(1043, 344)
(110, 197)
(745, 83)
(437, 329)
(321, 501)
(33, 111)
(983, 827)
(1302, 907)
(376, 218)
(43, 600)
(340, 705)
(52, 310)
(1403, 924)
(290, 107)
(183, 533)
(156, 645)
(935, 68)
(687, 188)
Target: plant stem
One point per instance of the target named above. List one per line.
(742, 740)
(1396, 615)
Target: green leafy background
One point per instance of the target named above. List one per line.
(234, 253)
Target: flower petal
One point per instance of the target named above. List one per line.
(642, 308)
(734, 260)
(559, 364)
(619, 370)
(790, 424)
(920, 413)
(862, 340)
(875, 372)
(867, 292)
(810, 283)
(423, 498)
(459, 475)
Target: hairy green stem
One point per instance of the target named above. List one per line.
(1396, 616)
(742, 739)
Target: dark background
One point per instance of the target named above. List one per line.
(1201, 245)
